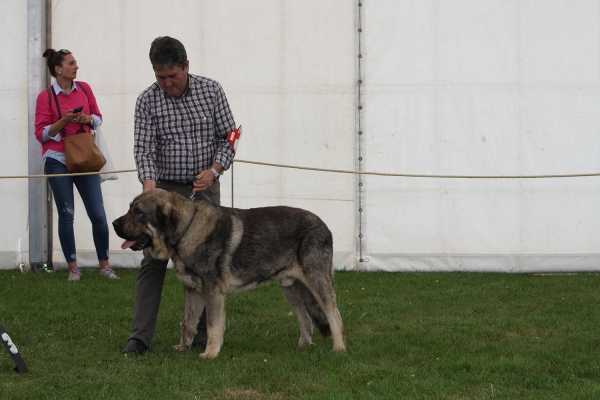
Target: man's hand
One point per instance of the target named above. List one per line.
(203, 181)
(206, 178)
(148, 185)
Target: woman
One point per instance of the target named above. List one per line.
(55, 118)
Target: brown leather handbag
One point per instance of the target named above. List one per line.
(82, 154)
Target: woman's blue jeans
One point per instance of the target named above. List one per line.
(89, 189)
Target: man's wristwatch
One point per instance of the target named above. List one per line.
(217, 175)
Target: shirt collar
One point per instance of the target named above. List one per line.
(58, 89)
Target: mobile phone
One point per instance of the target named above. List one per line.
(78, 109)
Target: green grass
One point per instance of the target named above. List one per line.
(410, 336)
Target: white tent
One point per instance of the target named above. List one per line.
(429, 87)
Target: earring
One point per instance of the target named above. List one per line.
(59, 72)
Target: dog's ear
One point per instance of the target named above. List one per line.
(170, 215)
(174, 223)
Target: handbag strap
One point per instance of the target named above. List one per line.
(82, 88)
(51, 89)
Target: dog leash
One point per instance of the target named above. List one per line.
(204, 196)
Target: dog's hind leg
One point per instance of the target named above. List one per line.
(292, 292)
(194, 305)
(324, 293)
(215, 324)
(317, 265)
(337, 326)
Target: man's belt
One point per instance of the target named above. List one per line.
(186, 184)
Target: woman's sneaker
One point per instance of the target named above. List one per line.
(74, 274)
(108, 273)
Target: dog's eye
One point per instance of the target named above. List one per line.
(137, 211)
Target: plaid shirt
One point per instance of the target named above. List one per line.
(175, 139)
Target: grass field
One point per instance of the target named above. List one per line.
(410, 336)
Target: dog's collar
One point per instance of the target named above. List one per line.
(187, 227)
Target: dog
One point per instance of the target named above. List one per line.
(218, 251)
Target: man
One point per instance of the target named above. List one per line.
(180, 145)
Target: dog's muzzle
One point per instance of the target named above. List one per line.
(136, 244)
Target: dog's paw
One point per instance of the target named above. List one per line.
(339, 345)
(180, 347)
(305, 342)
(207, 354)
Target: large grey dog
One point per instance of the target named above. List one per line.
(218, 251)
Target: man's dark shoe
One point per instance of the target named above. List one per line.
(201, 345)
(135, 346)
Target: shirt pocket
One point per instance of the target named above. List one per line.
(200, 122)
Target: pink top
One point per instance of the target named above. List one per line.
(46, 114)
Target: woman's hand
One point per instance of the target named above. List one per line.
(71, 118)
(77, 118)
(84, 119)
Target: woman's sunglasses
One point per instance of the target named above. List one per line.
(59, 53)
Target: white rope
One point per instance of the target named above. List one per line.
(339, 171)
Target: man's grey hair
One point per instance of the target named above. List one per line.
(167, 52)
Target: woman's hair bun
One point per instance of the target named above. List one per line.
(48, 53)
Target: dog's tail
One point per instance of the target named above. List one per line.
(314, 310)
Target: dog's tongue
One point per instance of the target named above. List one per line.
(127, 244)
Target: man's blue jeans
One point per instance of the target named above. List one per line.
(89, 189)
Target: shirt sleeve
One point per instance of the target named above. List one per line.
(43, 116)
(46, 136)
(144, 140)
(224, 123)
(97, 120)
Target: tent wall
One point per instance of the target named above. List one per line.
(287, 68)
(460, 87)
(14, 235)
(472, 87)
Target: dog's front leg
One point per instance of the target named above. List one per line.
(215, 324)
(193, 307)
